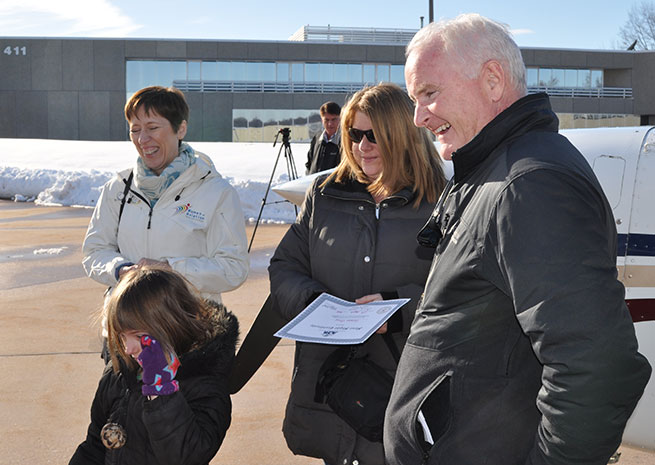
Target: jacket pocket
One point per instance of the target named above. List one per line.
(436, 412)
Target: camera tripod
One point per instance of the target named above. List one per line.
(291, 172)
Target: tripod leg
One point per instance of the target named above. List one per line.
(291, 168)
(268, 188)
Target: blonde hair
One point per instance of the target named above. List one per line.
(160, 302)
(409, 157)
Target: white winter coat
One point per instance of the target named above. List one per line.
(197, 225)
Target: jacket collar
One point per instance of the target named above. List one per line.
(336, 139)
(526, 114)
(351, 189)
(215, 353)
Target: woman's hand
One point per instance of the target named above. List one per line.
(369, 298)
(151, 262)
(143, 262)
(372, 298)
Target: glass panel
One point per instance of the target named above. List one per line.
(354, 73)
(326, 72)
(209, 71)
(544, 76)
(282, 74)
(312, 72)
(193, 70)
(224, 71)
(584, 78)
(177, 70)
(398, 74)
(532, 77)
(383, 73)
(262, 125)
(164, 73)
(253, 72)
(297, 72)
(135, 73)
(255, 122)
(557, 78)
(369, 74)
(571, 78)
(340, 72)
(238, 71)
(596, 78)
(240, 122)
(267, 71)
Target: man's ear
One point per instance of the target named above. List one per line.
(494, 80)
(181, 131)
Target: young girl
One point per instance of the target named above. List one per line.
(164, 397)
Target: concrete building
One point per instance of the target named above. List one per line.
(54, 88)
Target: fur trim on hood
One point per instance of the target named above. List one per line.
(216, 352)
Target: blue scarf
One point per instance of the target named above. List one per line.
(153, 186)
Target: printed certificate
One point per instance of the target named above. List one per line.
(331, 320)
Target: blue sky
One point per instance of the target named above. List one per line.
(583, 24)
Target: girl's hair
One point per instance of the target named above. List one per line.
(409, 157)
(168, 102)
(159, 302)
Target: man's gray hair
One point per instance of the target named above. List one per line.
(472, 40)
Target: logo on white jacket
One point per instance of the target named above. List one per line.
(194, 215)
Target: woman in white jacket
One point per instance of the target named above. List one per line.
(173, 208)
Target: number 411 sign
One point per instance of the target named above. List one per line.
(15, 50)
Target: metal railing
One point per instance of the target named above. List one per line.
(354, 35)
(351, 87)
(268, 86)
(583, 92)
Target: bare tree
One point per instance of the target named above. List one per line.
(638, 32)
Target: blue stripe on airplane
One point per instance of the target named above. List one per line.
(639, 245)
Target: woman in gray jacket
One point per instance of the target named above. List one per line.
(356, 238)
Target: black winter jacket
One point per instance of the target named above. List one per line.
(522, 350)
(323, 155)
(186, 427)
(339, 246)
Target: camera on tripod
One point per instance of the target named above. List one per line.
(291, 172)
(286, 132)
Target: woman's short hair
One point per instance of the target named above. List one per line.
(160, 302)
(168, 102)
(472, 40)
(409, 157)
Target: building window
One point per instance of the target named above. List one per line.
(262, 125)
(568, 78)
(256, 76)
(595, 120)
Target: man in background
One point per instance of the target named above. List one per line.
(324, 151)
(522, 350)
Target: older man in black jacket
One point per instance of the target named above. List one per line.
(522, 350)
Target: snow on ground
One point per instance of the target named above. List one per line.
(71, 173)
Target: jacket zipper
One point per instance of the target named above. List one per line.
(147, 203)
(151, 207)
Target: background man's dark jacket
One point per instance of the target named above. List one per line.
(323, 155)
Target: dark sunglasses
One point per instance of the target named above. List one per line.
(357, 135)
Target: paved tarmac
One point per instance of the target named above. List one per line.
(50, 344)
